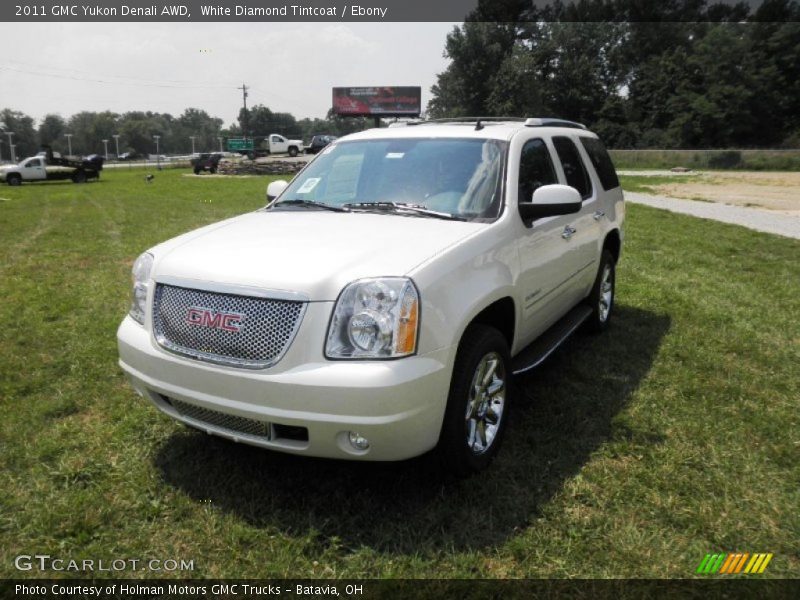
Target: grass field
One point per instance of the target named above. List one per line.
(632, 454)
(752, 160)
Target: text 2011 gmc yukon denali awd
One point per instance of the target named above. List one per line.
(377, 308)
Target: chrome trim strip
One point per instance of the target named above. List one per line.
(540, 298)
(232, 288)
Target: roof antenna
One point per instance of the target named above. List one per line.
(478, 125)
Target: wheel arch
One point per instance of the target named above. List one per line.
(500, 314)
(613, 243)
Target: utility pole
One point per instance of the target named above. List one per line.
(220, 143)
(11, 145)
(116, 139)
(158, 156)
(192, 137)
(105, 144)
(1, 151)
(69, 143)
(244, 101)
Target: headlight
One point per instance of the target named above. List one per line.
(141, 276)
(375, 318)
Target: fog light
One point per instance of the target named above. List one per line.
(358, 441)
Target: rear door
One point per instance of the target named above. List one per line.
(584, 230)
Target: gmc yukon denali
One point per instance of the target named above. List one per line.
(378, 307)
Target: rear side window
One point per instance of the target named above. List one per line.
(574, 170)
(535, 169)
(601, 161)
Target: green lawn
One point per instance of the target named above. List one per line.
(647, 184)
(632, 454)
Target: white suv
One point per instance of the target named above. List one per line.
(377, 308)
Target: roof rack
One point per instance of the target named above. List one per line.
(468, 120)
(480, 121)
(550, 122)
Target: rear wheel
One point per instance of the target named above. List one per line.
(213, 170)
(14, 179)
(197, 170)
(292, 151)
(477, 406)
(79, 177)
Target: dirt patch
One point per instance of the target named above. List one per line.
(774, 191)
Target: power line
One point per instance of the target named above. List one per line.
(91, 73)
(143, 83)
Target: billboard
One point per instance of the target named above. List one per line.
(377, 101)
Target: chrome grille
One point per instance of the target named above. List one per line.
(231, 423)
(266, 326)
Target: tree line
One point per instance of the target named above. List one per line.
(650, 74)
(136, 130)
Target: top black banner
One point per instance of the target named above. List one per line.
(363, 10)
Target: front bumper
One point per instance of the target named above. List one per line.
(309, 404)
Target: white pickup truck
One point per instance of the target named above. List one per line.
(47, 166)
(280, 145)
(380, 304)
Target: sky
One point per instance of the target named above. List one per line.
(65, 68)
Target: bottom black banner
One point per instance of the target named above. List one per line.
(369, 589)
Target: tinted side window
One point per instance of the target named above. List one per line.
(602, 162)
(535, 169)
(574, 170)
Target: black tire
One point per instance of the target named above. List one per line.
(197, 170)
(14, 179)
(213, 170)
(462, 449)
(601, 298)
(292, 151)
(79, 177)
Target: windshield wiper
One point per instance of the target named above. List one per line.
(417, 209)
(313, 204)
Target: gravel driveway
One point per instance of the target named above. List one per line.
(769, 221)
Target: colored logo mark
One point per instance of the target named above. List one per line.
(737, 562)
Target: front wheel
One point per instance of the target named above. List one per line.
(79, 177)
(477, 406)
(601, 298)
(292, 151)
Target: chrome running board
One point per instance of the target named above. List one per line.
(537, 351)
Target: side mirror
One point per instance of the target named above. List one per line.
(550, 201)
(275, 189)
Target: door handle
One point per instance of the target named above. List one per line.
(568, 232)
(599, 215)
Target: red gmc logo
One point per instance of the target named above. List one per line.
(204, 317)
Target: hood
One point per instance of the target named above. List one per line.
(315, 253)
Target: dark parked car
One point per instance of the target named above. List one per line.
(206, 162)
(318, 142)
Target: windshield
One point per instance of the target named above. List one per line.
(459, 177)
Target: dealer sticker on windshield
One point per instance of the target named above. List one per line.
(308, 185)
